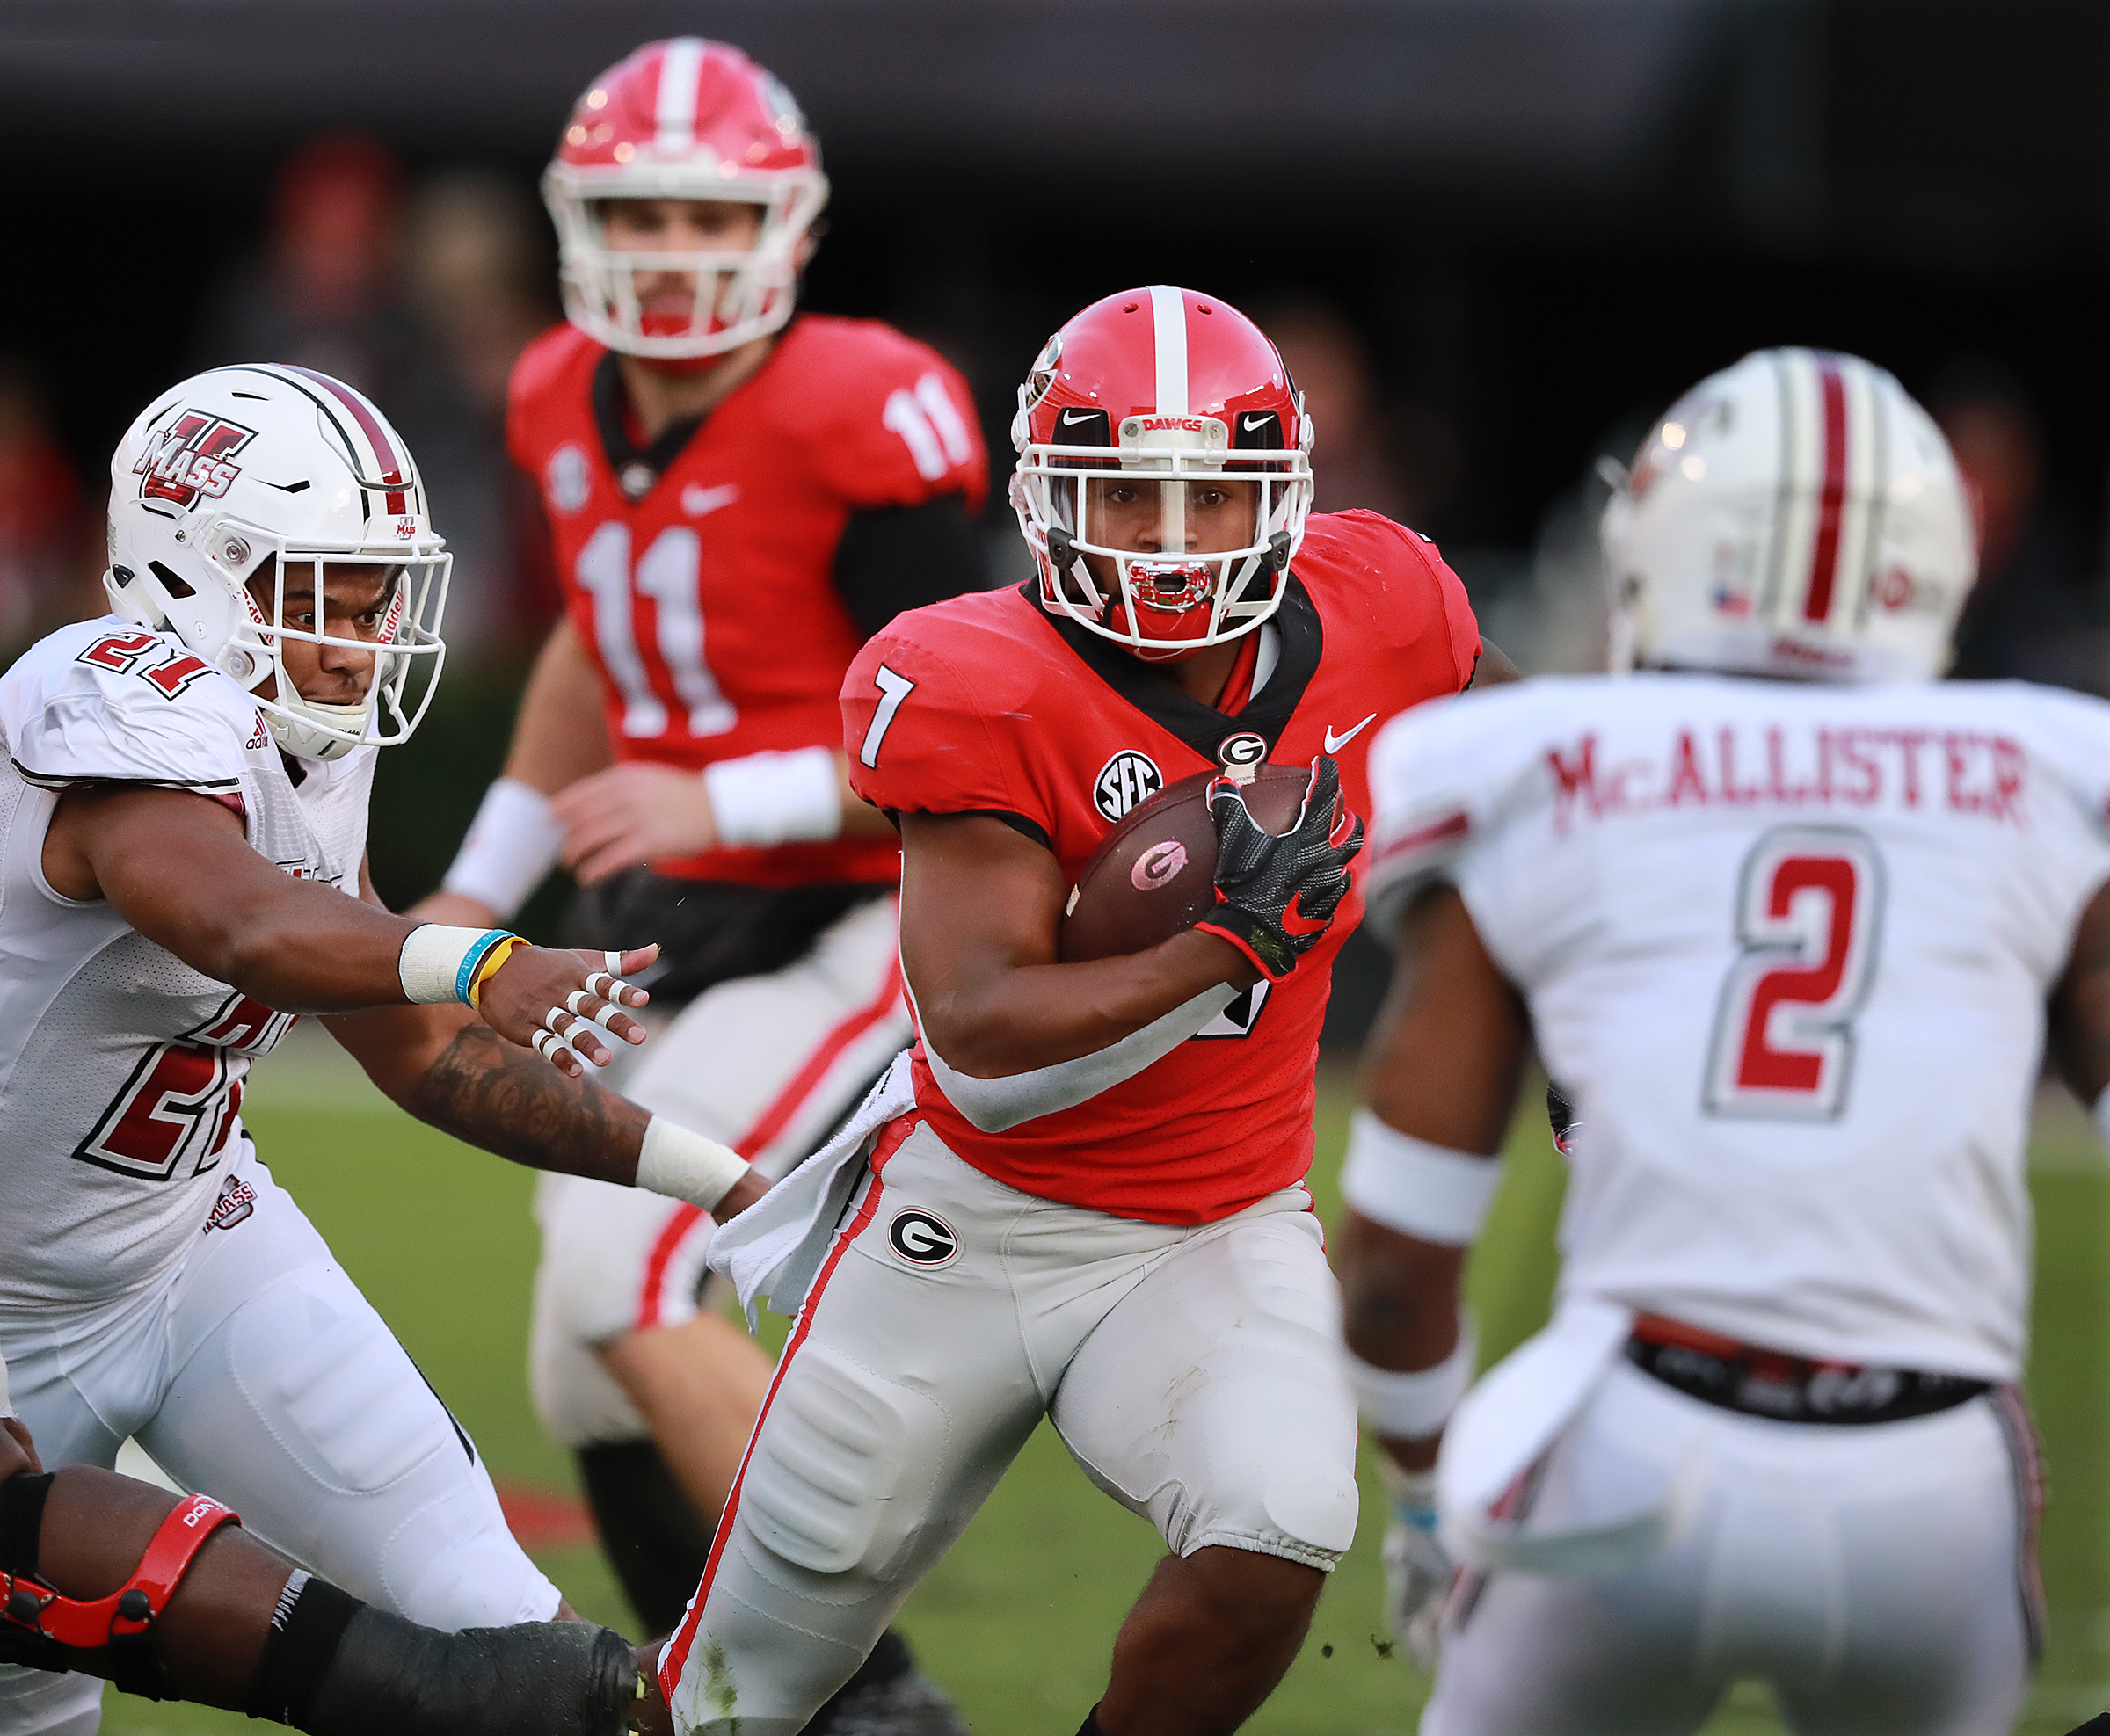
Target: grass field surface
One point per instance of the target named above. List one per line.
(1017, 1621)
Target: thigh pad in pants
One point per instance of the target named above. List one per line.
(1210, 1399)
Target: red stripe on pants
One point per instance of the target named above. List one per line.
(674, 1655)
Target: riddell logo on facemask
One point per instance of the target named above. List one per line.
(189, 458)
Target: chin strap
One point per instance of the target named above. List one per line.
(39, 1626)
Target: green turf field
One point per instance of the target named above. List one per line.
(1018, 1621)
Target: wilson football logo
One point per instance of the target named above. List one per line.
(189, 458)
(1126, 781)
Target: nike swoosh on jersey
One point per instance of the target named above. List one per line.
(697, 500)
(1335, 744)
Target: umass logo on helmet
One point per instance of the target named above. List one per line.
(189, 458)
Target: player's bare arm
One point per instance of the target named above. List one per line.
(447, 1067)
(980, 908)
(559, 737)
(638, 812)
(1442, 1065)
(178, 866)
(2080, 1005)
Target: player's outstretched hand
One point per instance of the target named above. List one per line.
(564, 1004)
(1276, 896)
(630, 814)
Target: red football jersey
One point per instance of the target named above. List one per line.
(708, 601)
(986, 703)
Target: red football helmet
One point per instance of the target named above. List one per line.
(684, 118)
(1164, 471)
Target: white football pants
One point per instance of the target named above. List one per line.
(768, 1064)
(260, 1376)
(1880, 1579)
(1191, 1372)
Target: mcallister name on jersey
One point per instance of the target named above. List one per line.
(1794, 765)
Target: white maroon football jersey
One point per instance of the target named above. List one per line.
(121, 1067)
(1787, 947)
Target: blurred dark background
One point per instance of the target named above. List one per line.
(1495, 237)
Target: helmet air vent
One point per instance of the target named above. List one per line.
(173, 585)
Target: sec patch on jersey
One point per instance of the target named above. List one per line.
(1154, 876)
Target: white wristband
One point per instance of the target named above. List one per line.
(1413, 1406)
(1419, 1189)
(2100, 1113)
(439, 963)
(512, 844)
(686, 1166)
(765, 799)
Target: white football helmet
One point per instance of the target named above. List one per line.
(1795, 515)
(264, 469)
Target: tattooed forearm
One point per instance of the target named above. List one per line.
(493, 1094)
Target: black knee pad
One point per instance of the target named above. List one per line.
(655, 1540)
(537, 1679)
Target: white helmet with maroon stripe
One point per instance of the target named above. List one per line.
(684, 118)
(264, 469)
(1795, 515)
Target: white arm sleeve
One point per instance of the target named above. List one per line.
(995, 1105)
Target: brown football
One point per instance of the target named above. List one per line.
(1154, 876)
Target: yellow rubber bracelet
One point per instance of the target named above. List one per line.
(489, 969)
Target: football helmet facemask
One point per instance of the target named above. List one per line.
(684, 118)
(1796, 515)
(1164, 471)
(265, 471)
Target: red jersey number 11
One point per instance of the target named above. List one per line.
(668, 574)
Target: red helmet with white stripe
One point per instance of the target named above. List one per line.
(1164, 471)
(685, 118)
(264, 468)
(1795, 515)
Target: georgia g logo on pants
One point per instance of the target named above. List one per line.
(921, 1238)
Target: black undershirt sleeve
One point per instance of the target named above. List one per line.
(894, 558)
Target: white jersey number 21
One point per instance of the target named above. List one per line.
(1810, 909)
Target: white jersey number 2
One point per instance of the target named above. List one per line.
(669, 572)
(1810, 907)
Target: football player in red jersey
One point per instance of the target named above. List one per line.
(1085, 1195)
(736, 498)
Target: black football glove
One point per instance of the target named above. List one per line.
(1276, 896)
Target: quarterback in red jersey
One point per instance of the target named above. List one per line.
(1082, 1195)
(735, 497)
